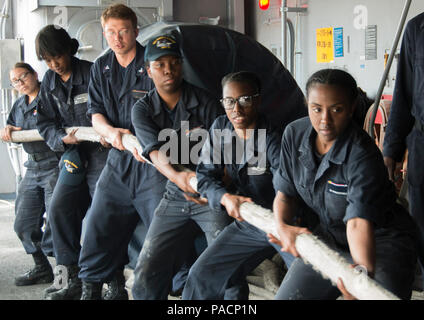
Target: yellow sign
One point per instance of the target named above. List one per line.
(325, 46)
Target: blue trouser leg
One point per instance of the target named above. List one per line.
(69, 205)
(302, 282)
(416, 208)
(115, 211)
(415, 176)
(96, 162)
(32, 201)
(172, 232)
(235, 253)
(396, 260)
(96, 157)
(136, 243)
(47, 240)
(49, 184)
(109, 227)
(180, 278)
(237, 287)
(67, 210)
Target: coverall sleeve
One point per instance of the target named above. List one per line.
(49, 122)
(273, 156)
(210, 170)
(11, 119)
(283, 179)
(401, 120)
(146, 130)
(367, 188)
(95, 96)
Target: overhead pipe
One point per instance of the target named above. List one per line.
(292, 42)
(12, 149)
(4, 15)
(292, 47)
(287, 24)
(387, 67)
(283, 10)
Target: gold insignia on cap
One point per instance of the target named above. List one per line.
(163, 42)
(70, 166)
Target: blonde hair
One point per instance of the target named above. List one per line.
(119, 11)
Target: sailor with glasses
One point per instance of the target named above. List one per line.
(36, 188)
(241, 247)
(20, 80)
(128, 191)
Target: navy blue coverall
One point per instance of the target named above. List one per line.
(36, 188)
(350, 181)
(176, 220)
(127, 190)
(405, 128)
(240, 245)
(65, 105)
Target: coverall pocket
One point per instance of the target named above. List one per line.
(335, 199)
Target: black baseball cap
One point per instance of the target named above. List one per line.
(73, 168)
(160, 46)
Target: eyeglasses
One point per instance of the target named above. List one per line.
(20, 80)
(121, 33)
(243, 101)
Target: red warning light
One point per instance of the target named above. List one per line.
(264, 4)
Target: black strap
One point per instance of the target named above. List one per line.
(41, 155)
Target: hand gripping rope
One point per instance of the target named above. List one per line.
(326, 261)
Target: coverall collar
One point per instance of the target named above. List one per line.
(261, 123)
(186, 103)
(337, 154)
(136, 70)
(27, 107)
(76, 75)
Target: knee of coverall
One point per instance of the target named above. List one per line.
(25, 224)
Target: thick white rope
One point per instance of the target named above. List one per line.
(326, 261)
(323, 259)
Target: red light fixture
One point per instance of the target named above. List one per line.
(263, 4)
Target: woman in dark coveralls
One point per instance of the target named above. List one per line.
(64, 104)
(334, 166)
(36, 188)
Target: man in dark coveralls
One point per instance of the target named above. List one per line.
(127, 190)
(183, 111)
(405, 128)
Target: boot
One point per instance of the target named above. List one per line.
(59, 281)
(116, 288)
(41, 273)
(72, 290)
(51, 289)
(91, 290)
